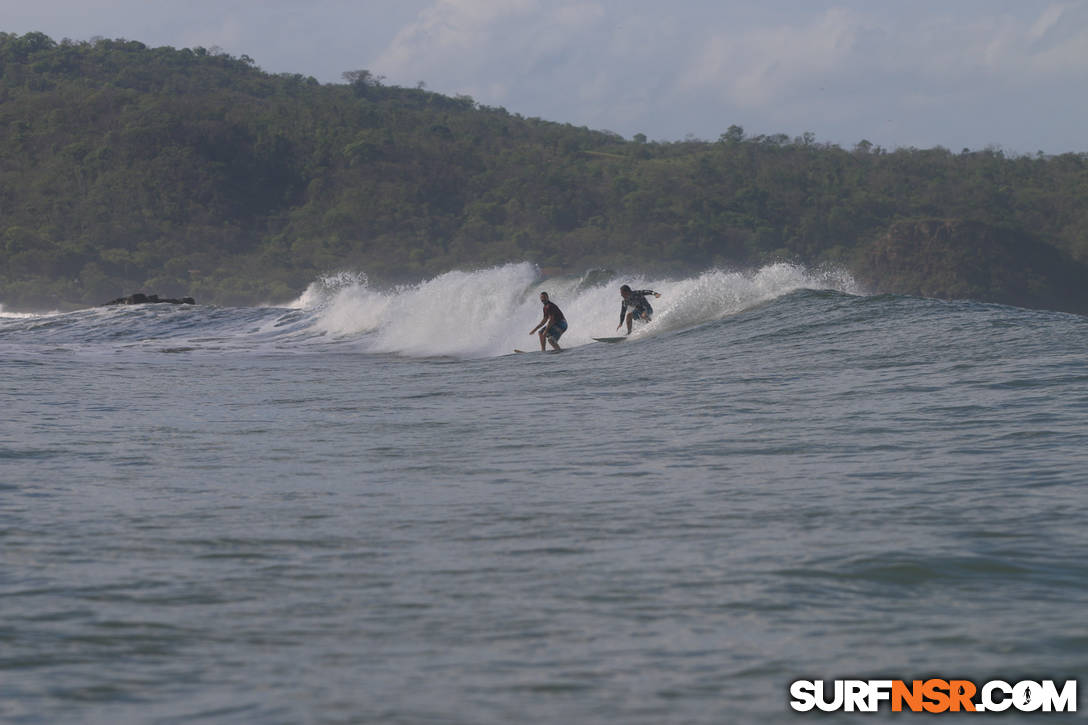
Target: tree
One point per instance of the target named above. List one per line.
(732, 136)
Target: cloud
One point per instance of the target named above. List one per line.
(757, 66)
(463, 33)
(488, 46)
(940, 71)
(937, 73)
(1058, 42)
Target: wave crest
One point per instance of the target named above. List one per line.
(489, 312)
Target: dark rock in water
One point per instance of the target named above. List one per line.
(141, 299)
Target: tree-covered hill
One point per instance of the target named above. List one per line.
(190, 172)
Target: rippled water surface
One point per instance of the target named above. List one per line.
(341, 512)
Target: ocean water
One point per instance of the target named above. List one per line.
(361, 507)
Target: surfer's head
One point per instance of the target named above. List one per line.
(625, 290)
(543, 296)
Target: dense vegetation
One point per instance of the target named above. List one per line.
(191, 172)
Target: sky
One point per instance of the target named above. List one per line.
(1011, 74)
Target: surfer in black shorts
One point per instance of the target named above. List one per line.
(640, 306)
(553, 325)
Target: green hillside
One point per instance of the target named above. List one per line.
(187, 172)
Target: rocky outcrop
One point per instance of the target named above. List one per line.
(957, 259)
(141, 299)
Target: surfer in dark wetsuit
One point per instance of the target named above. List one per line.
(640, 306)
(553, 325)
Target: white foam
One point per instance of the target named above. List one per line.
(23, 315)
(489, 312)
(716, 294)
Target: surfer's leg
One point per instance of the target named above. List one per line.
(555, 332)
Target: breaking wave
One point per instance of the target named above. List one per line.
(490, 311)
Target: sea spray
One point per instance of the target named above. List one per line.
(459, 314)
(716, 293)
(489, 312)
(24, 315)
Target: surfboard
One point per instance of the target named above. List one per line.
(610, 339)
(523, 352)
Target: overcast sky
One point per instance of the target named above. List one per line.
(922, 73)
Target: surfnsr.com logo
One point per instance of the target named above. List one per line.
(933, 696)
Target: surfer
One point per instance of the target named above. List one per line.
(553, 325)
(640, 306)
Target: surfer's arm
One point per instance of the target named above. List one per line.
(548, 319)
